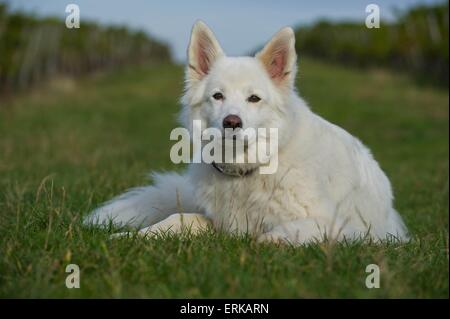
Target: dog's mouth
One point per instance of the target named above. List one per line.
(235, 142)
(235, 170)
(235, 159)
(239, 135)
(236, 153)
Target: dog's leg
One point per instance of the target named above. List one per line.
(309, 230)
(146, 206)
(175, 224)
(296, 232)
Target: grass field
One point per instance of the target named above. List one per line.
(68, 147)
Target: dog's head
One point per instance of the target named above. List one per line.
(240, 92)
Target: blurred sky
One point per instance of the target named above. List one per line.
(240, 25)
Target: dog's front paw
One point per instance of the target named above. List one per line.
(126, 234)
(269, 237)
(177, 223)
(174, 224)
(144, 232)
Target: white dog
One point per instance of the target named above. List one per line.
(327, 184)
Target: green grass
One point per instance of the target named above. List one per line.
(68, 147)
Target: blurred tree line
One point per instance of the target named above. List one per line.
(417, 42)
(33, 49)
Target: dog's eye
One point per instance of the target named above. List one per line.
(218, 96)
(253, 98)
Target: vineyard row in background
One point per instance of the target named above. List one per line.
(417, 42)
(33, 49)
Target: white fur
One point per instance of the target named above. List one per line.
(327, 183)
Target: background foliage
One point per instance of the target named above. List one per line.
(417, 43)
(33, 49)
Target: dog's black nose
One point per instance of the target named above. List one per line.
(232, 121)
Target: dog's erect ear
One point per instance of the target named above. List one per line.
(279, 57)
(203, 50)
